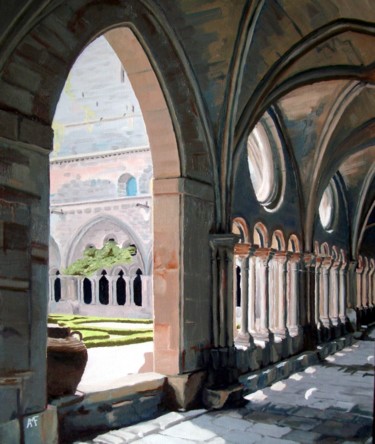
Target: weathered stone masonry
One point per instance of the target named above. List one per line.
(206, 74)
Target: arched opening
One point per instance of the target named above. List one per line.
(87, 291)
(240, 287)
(103, 289)
(121, 289)
(113, 289)
(260, 235)
(294, 244)
(137, 288)
(99, 133)
(127, 185)
(278, 240)
(57, 287)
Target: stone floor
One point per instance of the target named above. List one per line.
(331, 402)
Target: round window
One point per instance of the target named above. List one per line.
(327, 207)
(264, 160)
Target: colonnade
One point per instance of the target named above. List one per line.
(363, 273)
(270, 290)
(135, 290)
(285, 292)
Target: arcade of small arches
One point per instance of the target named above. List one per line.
(263, 215)
(103, 294)
(113, 288)
(272, 272)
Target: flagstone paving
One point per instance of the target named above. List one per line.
(331, 402)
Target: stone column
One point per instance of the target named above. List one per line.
(343, 285)
(364, 286)
(309, 264)
(252, 292)
(293, 324)
(182, 217)
(222, 246)
(352, 284)
(94, 290)
(111, 290)
(325, 290)
(24, 229)
(359, 273)
(127, 288)
(317, 292)
(281, 260)
(307, 300)
(79, 290)
(334, 293)
(263, 256)
(272, 289)
(371, 289)
(146, 293)
(51, 293)
(243, 252)
(131, 291)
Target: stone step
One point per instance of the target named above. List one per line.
(133, 399)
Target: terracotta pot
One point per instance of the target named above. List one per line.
(66, 362)
(56, 331)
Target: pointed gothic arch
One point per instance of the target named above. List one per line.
(146, 54)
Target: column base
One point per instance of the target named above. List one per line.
(326, 322)
(280, 334)
(294, 330)
(336, 328)
(244, 340)
(295, 339)
(262, 338)
(183, 391)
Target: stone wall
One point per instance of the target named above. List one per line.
(78, 221)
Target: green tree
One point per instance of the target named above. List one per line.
(94, 259)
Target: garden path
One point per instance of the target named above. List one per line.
(107, 366)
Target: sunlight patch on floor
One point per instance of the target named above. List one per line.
(309, 392)
(296, 377)
(278, 387)
(257, 396)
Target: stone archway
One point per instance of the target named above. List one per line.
(182, 187)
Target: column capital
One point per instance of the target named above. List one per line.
(244, 250)
(223, 241)
(318, 261)
(344, 266)
(327, 262)
(282, 256)
(371, 266)
(295, 257)
(264, 254)
(309, 259)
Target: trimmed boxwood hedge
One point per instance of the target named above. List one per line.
(120, 340)
(101, 336)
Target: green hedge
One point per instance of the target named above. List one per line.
(120, 340)
(101, 336)
(56, 318)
